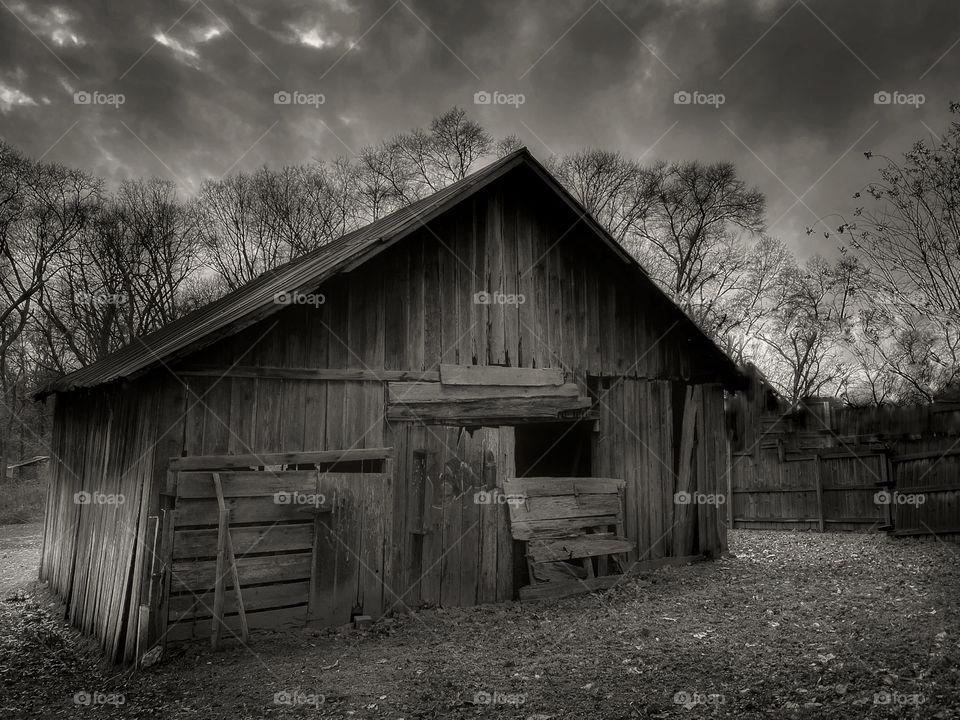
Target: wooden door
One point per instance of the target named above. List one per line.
(452, 538)
(351, 549)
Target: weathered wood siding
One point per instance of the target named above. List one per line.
(98, 502)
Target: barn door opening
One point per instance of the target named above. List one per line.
(555, 449)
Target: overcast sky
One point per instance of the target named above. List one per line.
(797, 81)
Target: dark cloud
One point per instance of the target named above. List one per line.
(798, 80)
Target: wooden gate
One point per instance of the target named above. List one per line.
(309, 533)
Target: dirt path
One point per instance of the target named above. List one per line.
(19, 556)
(795, 626)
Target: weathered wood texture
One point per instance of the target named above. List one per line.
(564, 524)
(675, 485)
(453, 545)
(859, 469)
(308, 541)
(97, 511)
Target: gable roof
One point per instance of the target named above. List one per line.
(255, 300)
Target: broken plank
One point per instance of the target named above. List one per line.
(582, 546)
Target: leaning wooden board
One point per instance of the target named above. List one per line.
(564, 520)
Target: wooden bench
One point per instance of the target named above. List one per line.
(564, 520)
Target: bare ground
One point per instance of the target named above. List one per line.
(795, 626)
(19, 555)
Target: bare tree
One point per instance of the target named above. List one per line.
(43, 208)
(802, 337)
(619, 193)
(414, 164)
(908, 236)
(121, 277)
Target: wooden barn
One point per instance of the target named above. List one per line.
(478, 398)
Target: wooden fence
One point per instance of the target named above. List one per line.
(820, 467)
(821, 491)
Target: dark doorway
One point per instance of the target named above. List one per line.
(553, 449)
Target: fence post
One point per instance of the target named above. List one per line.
(890, 484)
(729, 487)
(819, 479)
